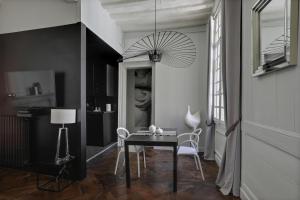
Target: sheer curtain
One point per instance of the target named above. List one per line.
(229, 173)
(209, 146)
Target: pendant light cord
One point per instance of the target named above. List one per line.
(155, 27)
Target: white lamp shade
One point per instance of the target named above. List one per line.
(63, 116)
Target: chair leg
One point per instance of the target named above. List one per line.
(144, 154)
(123, 163)
(116, 168)
(138, 163)
(196, 162)
(199, 163)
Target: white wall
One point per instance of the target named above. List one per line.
(270, 129)
(98, 20)
(175, 88)
(22, 15)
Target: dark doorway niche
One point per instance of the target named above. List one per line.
(101, 90)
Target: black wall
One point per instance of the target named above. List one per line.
(55, 48)
(70, 51)
(58, 49)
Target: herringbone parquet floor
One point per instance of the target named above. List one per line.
(101, 183)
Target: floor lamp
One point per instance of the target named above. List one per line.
(62, 116)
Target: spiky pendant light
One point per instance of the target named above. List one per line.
(171, 48)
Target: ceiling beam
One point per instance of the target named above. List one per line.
(164, 26)
(165, 15)
(148, 6)
(138, 15)
(150, 22)
(111, 2)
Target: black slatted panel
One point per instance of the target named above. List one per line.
(14, 141)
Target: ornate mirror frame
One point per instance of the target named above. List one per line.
(286, 60)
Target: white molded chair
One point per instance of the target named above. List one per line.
(123, 133)
(192, 150)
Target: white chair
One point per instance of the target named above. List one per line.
(192, 150)
(122, 135)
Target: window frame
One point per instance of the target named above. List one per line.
(216, 45)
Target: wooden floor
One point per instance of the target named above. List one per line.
(101, 183)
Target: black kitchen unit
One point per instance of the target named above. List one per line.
(101, 89)
(101, 128)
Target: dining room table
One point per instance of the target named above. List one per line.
(152, 140)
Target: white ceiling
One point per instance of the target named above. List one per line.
(138, 15)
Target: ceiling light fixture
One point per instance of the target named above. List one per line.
(172, 48)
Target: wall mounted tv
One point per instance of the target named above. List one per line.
(31, 88)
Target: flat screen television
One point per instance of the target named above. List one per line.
(31, 88)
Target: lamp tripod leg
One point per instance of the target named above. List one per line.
(67, 143)
(58, 146)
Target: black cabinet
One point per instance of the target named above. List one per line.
(101, 128)
(102, 81)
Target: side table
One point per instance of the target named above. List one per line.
(59, 178)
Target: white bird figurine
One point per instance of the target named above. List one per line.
(192, 120)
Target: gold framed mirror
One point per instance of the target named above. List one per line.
(274, 35)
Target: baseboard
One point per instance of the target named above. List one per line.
(218, 158)
(246, 193)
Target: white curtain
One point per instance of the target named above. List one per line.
(209, 145)
(229, 173)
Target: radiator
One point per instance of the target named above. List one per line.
(14, 141)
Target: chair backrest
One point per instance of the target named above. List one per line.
(198, 131)
(193, 138)
(123, 133)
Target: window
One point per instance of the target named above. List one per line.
(216, 40)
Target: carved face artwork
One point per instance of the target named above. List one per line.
(143, 97)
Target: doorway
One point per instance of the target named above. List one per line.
(136, 95)
(101, 96)
(139, 98)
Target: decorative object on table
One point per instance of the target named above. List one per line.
(36, 89)
(152, 129)
(108, 107)
(172, 48)
(63, 116)
(274, 35)
(192, 120)
(159, 131)
(97, 109)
